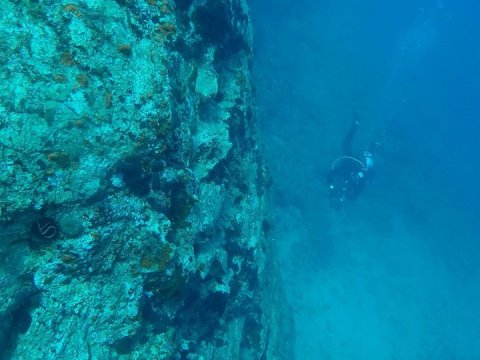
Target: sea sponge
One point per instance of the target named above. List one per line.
(71, 225)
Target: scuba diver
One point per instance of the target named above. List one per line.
(349, 172)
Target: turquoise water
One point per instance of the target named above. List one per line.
(133, 186)
(395, 273)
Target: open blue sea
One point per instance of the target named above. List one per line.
(394, 274)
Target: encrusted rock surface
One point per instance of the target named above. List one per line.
(132, 193)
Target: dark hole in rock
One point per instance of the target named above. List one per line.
(183, 4)
(181, 202)
(125, 345)
(215, 304)
(16, 319)
(212, 21)
(21, 320)
(134, 177)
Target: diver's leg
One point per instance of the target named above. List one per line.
(348, 139)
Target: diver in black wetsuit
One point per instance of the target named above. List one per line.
(349, 172)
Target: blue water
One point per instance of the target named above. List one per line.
(394, 274)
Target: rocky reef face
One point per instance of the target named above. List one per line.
(132, 197)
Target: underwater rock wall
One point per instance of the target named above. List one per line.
(132, 197)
